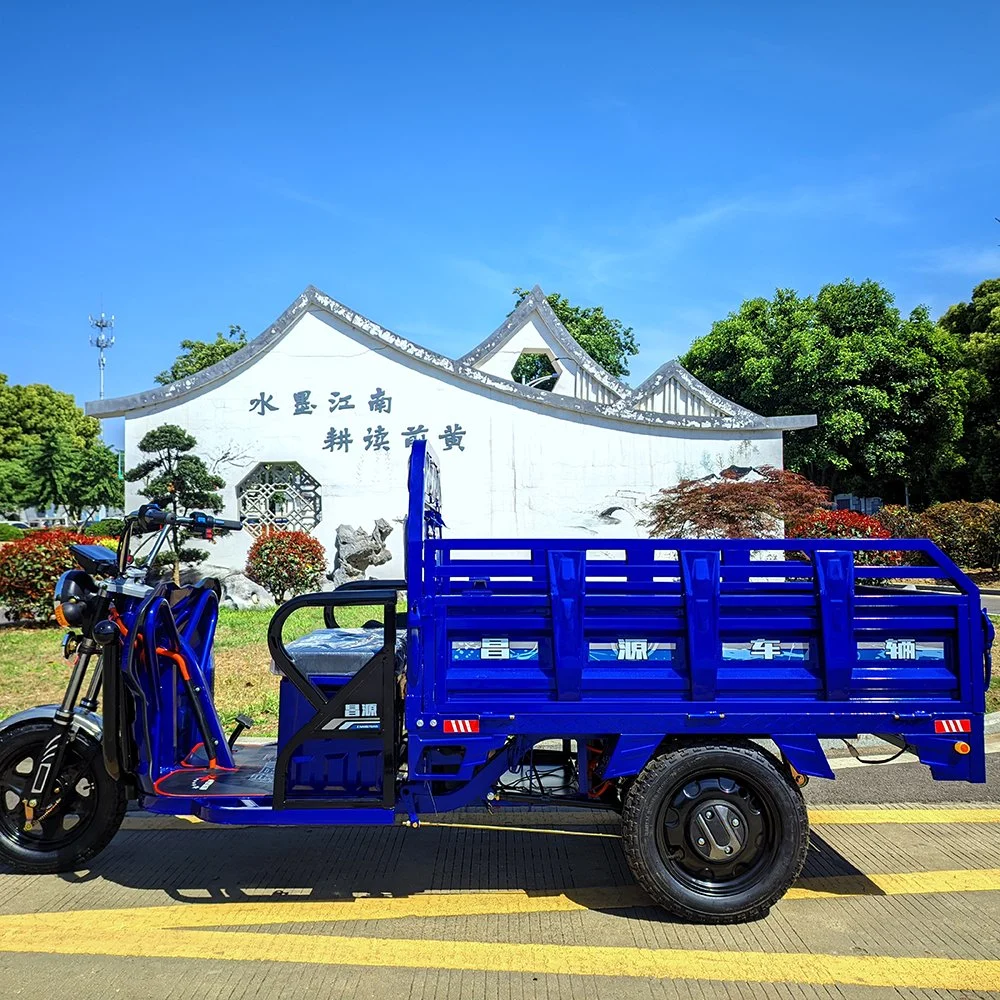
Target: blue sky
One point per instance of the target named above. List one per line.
(188, 166)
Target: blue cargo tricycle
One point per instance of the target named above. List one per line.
(685, 683)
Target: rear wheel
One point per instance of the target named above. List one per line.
(715, 833)
(85, 815)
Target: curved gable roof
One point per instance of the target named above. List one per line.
(535, 301)
(674, 370)
(312, 299)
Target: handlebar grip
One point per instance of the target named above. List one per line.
(197, 520)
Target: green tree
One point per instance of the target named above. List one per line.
(174, 478)
(198, 354)
(38, 424)
(97, 483)
(608, 341)
(977, 325)
(890, 393)
(13, 486)
(30, 412)
(54, 472)
(52, 464)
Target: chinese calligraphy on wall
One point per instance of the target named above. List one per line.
(376, 436)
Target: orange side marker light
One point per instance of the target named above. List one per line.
(962, 747)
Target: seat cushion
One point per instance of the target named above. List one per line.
(340, 652)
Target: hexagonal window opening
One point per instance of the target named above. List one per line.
(537, 369)
(280, 496)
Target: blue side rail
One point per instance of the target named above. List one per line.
(646, 639)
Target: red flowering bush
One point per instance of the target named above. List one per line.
(286, 563)
(29, 569)
(847, 524)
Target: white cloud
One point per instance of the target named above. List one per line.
(973, 262)
(625, 254)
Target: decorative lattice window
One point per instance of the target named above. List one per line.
(281, 495)
(536, 369)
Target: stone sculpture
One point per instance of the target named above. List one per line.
(357, 550)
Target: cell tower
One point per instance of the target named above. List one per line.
(103, 340)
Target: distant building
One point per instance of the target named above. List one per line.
(861, 505)
(311, 425)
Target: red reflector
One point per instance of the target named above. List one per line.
(461, 726)
(952, 726)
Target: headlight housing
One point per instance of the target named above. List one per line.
(73, 590)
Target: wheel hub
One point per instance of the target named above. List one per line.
(717, 830)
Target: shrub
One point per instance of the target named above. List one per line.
(286, 563)
(733, 507)
(8, 533)
(109, 527)
(900, 522)
(29, 569)
(968, 532)
(848, 524)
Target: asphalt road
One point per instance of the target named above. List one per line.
(992, 603)
(908, 781)
(899, 897)
(893, 902)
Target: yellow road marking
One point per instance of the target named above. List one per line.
(43, 934)
(868, 817)
(456, 904)
(182, 931)
(899, 884)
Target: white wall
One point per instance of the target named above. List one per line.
(526, 469)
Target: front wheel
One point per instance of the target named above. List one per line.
(83, 817)
(715, 833)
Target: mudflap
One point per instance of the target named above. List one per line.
(957, 756)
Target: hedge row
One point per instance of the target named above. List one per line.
(968, 532)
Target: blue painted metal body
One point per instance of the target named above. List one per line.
(630, 644)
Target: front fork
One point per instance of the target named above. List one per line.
(43, 792)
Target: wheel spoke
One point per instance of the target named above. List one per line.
(75, 804)
(25, 766)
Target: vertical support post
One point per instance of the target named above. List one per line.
(701, 578)
(835, 606)
(566, 590)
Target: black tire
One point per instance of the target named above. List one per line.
(755, 814)
(97, 802)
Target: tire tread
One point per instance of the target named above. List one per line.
(631, 836)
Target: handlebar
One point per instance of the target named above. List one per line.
(152, 516)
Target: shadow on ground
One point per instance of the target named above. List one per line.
(215, 865)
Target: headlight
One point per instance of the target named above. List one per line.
(73, 589)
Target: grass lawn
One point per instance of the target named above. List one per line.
(33, 672)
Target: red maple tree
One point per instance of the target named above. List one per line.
(733, 506)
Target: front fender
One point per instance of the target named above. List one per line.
(89, 722)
